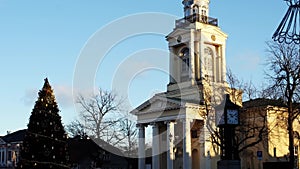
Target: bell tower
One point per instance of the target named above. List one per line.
(195, 7)
(179, 118)
(197, 51)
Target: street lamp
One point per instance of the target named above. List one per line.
(288, 30)
(227, 119)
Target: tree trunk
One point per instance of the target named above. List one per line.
(291, 137)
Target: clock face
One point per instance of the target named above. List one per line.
(220, 117)
(232, 117)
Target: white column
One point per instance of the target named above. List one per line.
(1, 156)
(197, 59)
(5, 156)
(155, 146)
(187, 153)
(141, 148)
(223, 62)
(170, 144)
(172, 66)
(192, 56)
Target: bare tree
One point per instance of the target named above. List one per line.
(235, 87)
(99, 114)
(250, 91)
(284, 65)
(249, 133)
(239, 88)
(128, 133)
(75, 129)
(101, 119)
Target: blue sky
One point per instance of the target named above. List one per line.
(41, 39)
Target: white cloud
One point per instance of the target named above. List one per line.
(30, 97)
(63, 95)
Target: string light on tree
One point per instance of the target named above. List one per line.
(45, 143)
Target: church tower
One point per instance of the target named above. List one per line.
(197, 51)
(181, 118)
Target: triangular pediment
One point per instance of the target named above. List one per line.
(177, 32)
(2, 141)
(156, 104)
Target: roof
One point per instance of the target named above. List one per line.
(176, 102)
(15, 136)
(261, 102)
(80, 149)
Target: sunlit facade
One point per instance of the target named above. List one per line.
(275, 144)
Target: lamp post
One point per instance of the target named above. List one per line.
(227, 119)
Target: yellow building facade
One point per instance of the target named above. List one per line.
(271, 114)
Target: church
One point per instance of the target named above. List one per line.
(181, 118)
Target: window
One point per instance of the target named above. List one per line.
(204, 17)
(185, 64)
(187, 12)
(203, 12)
(195, 9)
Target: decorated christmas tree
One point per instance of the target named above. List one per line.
(45, 142)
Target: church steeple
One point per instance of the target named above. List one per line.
(197, 49)
(196, 10)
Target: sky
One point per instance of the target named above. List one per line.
(40, 39)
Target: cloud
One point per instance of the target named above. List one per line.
(30, 97)
(63, 95)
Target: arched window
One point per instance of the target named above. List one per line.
(195, 13)
(187, 12)
(185, 60)
(204, 17)
(195, 9)
(184, 55)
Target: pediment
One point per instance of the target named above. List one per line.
(2, 141)
(157, 104)
(177, 32)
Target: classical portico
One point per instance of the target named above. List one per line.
(180, 118)
(178, 133)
